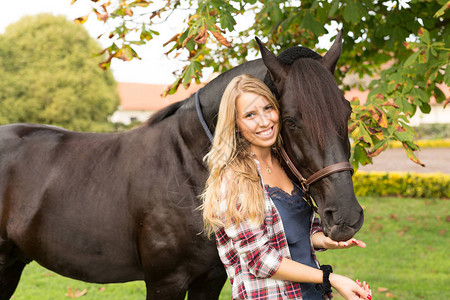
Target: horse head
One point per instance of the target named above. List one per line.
(314, 130)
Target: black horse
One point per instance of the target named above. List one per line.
(118, 207)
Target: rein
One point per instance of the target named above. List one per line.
(200, 116)
(304, 183)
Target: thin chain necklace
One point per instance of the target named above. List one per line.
(267, 167)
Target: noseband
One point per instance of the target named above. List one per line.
(304, 183)
(319, 175)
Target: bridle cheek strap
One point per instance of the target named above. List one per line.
(319, 175)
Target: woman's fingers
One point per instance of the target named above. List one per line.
(347, 244)
(358, 243)
(364, 292)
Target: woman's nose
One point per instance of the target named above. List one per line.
(264, 119)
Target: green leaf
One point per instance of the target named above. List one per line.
(364, 134)
(441, 11)
(425, 108)
(359, 156)
(391, 87)
(403, 136)
(420, 95)
(334, 8)
(310, 23)
(193, 71)
(411, 59)
(408, 86)
(427, 55)
(447, 75)
(424, 36)
(411, 155)
(405, 105)
(351, 12)
(227, 21)
(438, 94)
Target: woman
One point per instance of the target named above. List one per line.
(266, 256)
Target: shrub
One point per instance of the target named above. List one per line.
(405, 184)
(433, 131)
(424, 143)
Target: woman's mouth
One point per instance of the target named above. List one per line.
(266, 132)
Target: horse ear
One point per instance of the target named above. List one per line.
(277, 70)
(331, 58)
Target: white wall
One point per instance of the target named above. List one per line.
(126, 117)
(438, 114)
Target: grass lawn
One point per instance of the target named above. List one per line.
(406, 258)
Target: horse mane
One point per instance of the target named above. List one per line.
(288, 57)
(320, 102)
(329, 111)
(164, 113)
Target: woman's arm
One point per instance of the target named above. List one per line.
(294, 271)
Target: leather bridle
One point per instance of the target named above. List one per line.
(319, 175)
(304, 183)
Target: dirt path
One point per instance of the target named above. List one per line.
(435, 160)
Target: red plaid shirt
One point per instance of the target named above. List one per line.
(252, 254)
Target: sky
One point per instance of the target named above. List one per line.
(154, 67)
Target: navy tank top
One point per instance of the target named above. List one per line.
(296, 218)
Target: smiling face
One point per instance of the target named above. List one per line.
(257, 120)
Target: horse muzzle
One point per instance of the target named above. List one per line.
(341, 229)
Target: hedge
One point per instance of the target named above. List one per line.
(405, 184)
(445, 143)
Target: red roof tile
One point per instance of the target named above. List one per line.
(141, 96)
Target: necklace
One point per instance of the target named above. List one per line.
(268, 169)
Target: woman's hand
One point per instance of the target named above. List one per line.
(330, 244)
(319, 240)
(350, 289)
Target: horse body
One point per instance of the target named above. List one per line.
(67, 206)
(119, 207)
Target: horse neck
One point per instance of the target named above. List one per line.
(184, 125)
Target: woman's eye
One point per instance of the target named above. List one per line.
(268, 108)
(249, 115)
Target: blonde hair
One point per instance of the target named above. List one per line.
(230, 159)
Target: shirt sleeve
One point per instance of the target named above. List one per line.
(252, 243)
(316, 226)
(253, 246)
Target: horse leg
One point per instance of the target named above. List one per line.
(209, 285)
(10, 271)
(171, 288)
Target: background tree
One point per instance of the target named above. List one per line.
(48, 75)
(402, 44)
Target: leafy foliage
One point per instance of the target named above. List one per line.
(403, 184)
(49, 76)
(402, 44)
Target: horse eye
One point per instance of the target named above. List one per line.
(290, 123)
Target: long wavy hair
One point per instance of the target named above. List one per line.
(230, 159)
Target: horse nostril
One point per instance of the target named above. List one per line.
(328, 216)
